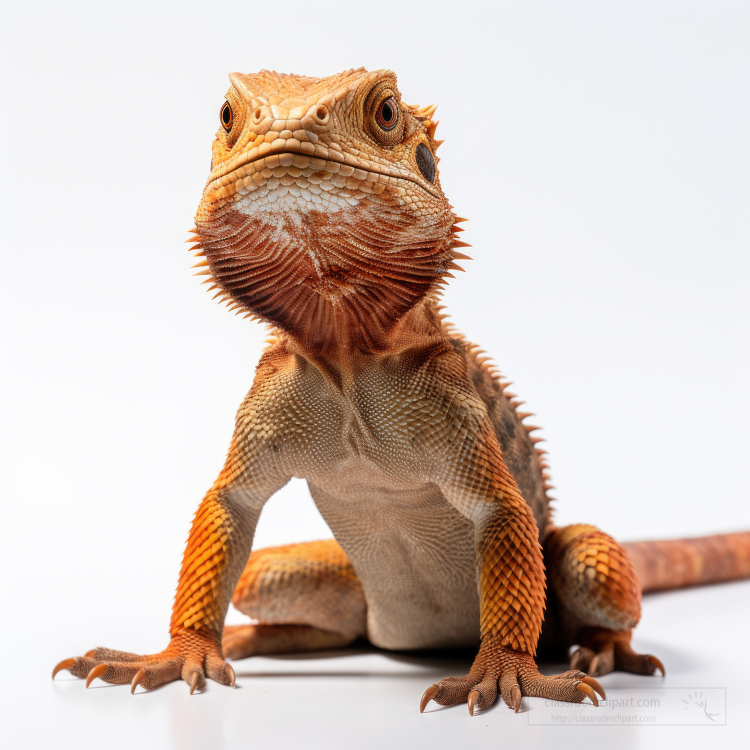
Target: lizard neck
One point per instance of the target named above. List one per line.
(340, 357)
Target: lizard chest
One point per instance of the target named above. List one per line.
(381, 425)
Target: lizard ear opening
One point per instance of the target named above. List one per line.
(425, 162)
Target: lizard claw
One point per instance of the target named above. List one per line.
(64, 664)
(97, 671)
(193, 681)
(140, 676)
(473, 698)
(515, 696)
(230, 675)
(657, 663)
(429, 694)
(582, 687)
(591, 682)
(578, 659)
(594, 664)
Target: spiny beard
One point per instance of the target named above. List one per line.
(327, 278)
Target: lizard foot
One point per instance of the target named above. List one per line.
(516, 675)
(602, 651)
(191, 654)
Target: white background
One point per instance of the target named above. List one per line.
(600, 150)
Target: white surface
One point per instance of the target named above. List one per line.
(366, 699)
(601, 153)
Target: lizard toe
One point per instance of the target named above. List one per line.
(192, 656)
(603, 650)
(513, 674)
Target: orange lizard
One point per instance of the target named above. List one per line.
(323, 215)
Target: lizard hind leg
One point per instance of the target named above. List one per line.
(597, 598)
(305, 597)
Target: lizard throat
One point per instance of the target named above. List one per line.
(334, 272)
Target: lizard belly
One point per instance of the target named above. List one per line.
(415, 556)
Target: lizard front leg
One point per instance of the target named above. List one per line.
(511, 585)
(217, 550)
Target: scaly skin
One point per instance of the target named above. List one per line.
(324, 216)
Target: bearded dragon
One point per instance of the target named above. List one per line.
(323, 216)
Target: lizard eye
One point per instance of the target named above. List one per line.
(383, 115)
(387, 114)
(226, 116)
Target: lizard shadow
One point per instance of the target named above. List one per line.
(440, 662)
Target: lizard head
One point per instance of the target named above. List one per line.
(323, 212)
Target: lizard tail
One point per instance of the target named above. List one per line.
(676, 563)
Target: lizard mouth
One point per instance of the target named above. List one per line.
(254, 167)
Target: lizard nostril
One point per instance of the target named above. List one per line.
(258, 114)
(321, 113)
